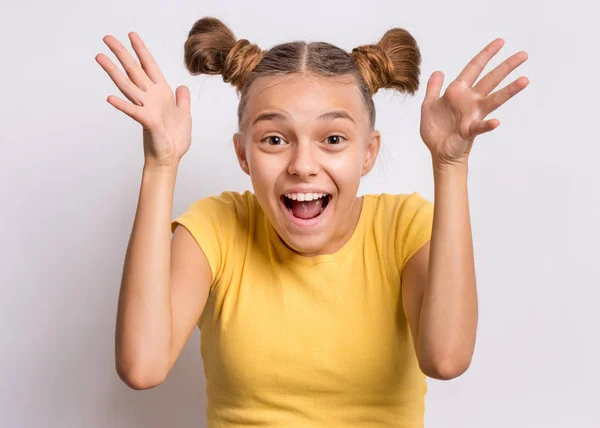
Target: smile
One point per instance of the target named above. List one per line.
(305, 209)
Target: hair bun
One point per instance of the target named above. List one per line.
(211, 48)
(240, 61)
(394, 62)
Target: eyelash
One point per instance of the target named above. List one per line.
(266, 139)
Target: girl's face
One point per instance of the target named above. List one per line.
(305, 141)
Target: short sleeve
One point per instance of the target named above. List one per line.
(414, 226)
(212, 222)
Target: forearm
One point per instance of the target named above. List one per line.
(144, 321)
(448, 319)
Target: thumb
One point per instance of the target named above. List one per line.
(182, 98)
(434, 87)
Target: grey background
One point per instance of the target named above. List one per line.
(71, 166)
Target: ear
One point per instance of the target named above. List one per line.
(373, 145)
(240, 152)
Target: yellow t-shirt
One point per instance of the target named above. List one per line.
(295, 341)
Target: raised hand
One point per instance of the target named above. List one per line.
(166, 120)
(449, 124)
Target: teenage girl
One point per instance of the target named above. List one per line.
(317, 307)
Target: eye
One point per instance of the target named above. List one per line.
(334, 139)
(274, 140)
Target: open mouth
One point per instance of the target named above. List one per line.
(306, 207)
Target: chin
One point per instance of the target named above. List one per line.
(309, 232)
(306, 245)
(307, 238)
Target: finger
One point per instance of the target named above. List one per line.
(496, 99)
(474, 68)
(494, 77)
(434, 87)
(148, 63)
(126, 86)
(129, 109)
(132, 68)
(182, 98)
(479, 127)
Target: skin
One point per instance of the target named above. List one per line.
(439, 290)
(439, 293)
(297, 148)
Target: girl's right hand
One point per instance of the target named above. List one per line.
(166, 122)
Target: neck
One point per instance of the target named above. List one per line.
(342, 236)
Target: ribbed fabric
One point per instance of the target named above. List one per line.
(294, 341)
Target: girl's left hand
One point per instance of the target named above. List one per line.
(449, 124)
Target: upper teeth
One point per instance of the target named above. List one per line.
(304, 196)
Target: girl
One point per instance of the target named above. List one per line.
(316, 307)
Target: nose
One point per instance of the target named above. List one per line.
(304, 160)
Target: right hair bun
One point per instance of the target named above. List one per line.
(211, 48)
(394, 62)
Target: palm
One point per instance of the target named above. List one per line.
(449, 124)
(167, 127)
(166, 119)
(447, 119)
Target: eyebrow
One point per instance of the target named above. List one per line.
(329, 116)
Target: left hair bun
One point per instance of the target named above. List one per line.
(211, 48)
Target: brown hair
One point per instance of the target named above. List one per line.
(393, 62)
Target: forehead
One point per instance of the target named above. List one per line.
(305, 96)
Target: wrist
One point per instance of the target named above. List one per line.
(443, 166)
(456, 168)
(153, 167)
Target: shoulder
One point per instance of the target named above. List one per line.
(228, 201)
(223, 211)
(406, 221)
(404, 205)
(220, 209)
(219, 225)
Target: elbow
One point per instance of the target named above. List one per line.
(139, 378)
(447, 369)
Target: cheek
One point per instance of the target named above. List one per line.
(346, 167)
(264, 170)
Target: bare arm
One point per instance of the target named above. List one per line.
(165, 282)
(163, 289)
(439, 286)
(438, 283)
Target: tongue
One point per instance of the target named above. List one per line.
(307, 209)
